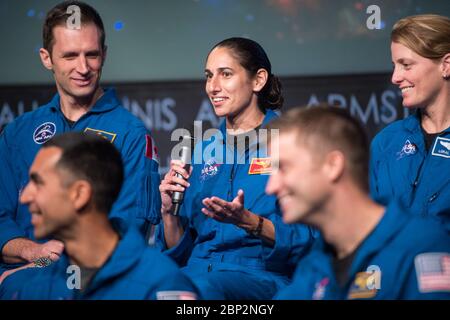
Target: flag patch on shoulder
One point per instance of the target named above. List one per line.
(151, 151)
(433, 271)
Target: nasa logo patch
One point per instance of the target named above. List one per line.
(44, 132)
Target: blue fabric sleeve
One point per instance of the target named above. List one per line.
(139, 201)
(9, 193)
(373, 169)
(13, 286)
(182, 251)
(292, 242)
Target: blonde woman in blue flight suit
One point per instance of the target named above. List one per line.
(410, 159)
(229, 236)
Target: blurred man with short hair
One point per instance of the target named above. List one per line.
(366, 251)
(74, 181)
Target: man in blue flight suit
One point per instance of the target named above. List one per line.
(75, 54)
(74, 181)
(225, 253)
(366, 251)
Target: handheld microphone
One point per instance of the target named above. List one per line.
(178, 196)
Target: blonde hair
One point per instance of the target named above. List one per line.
(325, 128)
(427, 35)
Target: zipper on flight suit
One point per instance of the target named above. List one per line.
(420, 172)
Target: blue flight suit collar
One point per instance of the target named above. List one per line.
(269, 116)
(412, 124)
(251, 149)
(126, 255)
(393, 220)
(105, 103)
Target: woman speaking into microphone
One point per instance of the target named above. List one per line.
(229, 236)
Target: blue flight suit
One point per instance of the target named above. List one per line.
(134, 271)
(223, 260)
(139, 201)
(402, 169)
(404, 257)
